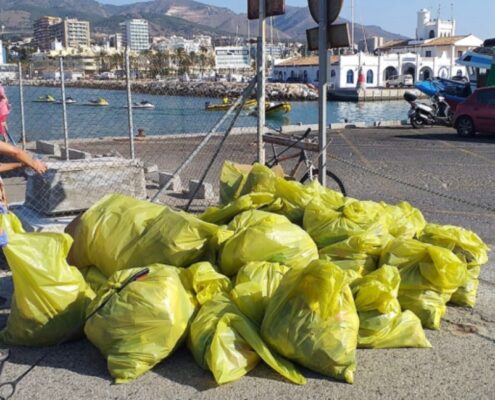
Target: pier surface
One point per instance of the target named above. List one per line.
(461, 363)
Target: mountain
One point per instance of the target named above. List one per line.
(182, 17)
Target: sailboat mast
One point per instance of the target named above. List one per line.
(352, 23)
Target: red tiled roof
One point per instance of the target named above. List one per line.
(304, 61)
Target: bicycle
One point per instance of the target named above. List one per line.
(310, 172)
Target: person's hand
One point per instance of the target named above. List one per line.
(39, 167)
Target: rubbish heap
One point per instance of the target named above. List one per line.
(280, 272)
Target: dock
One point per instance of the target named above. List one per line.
(372, 94)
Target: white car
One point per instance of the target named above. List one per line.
(400, 81)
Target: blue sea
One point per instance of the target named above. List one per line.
(172, 115)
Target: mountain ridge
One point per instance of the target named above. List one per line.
(184, 17)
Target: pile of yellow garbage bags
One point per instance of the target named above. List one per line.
(280, 273)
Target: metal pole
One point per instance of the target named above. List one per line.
(129, 103)
(322, 102)
(64, 108)
(260, 65)
(21, 101)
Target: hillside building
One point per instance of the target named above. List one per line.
(42, 33)
(71, 33)
(135, 34)
(232, 58)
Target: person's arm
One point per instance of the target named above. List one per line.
(6, 167)
(23, 157)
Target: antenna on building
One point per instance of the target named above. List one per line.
(439, 10)
(452, 11)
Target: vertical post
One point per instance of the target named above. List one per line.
(129, 103)
(353, 24)
(21, 101)
(323, 83)
(64, 108)
(260, 65)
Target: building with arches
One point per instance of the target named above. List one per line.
(422, 58)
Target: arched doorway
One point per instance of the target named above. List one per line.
(443, 73)
(432, 34)
(389, 73)
(425, 73)
(370, 77)
(409, 69)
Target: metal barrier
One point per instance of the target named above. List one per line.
(126, 137)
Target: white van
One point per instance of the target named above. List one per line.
(400, 81)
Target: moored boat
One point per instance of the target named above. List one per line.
(45, 99)
(68, 100)
(100, 102)
(227, 105)
(143, 105)
(277, 109)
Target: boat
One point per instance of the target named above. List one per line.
(143, 105)
(277, 109)
(480, 64)
(45, 99)
(68, 100)
(228, 104)
(100, 102)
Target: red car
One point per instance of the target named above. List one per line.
(477, 113)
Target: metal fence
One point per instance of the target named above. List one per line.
(99, 136)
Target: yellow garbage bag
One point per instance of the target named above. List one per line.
(224, 341)
(120, 232)
(328, 226)
(403, 220)
(263, 236)
(143, 323)
(224, 215)
(255, 284)
(312, 320)
(94, 278)
(232, 180)
(10, 224)
(205, 281)
(50, 297)
(466, 245)
(382, 324)
(429, 276)
(356, 252)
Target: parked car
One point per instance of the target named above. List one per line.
(400, 81)
(477, 113)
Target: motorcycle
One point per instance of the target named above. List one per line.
(421, 114)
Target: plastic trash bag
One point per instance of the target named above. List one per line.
(356, 252)
(263, 236)
(403, 220)
(94, 277)
(228, 344)
(205, 281)
(232, 180)
(312, 320)
(255, 284)
(225, 214)
(382, 324)
(10, 224)
(50, 297)
(429, 276)
(120, 232)
(466, 245)
(143, 323)
(328, 226)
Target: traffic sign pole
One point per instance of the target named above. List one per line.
(323, 84)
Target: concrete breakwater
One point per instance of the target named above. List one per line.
(274, 91)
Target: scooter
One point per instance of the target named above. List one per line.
(421, 114)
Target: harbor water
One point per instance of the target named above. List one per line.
(171, 115)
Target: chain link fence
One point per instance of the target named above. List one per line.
(96, 144)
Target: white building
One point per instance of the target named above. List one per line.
(135, 34)
(232, 58)
(428, 28)
(2, 54)
(423, 59)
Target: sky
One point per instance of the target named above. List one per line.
(398, 16)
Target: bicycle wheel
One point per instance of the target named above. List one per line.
(335, 181)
